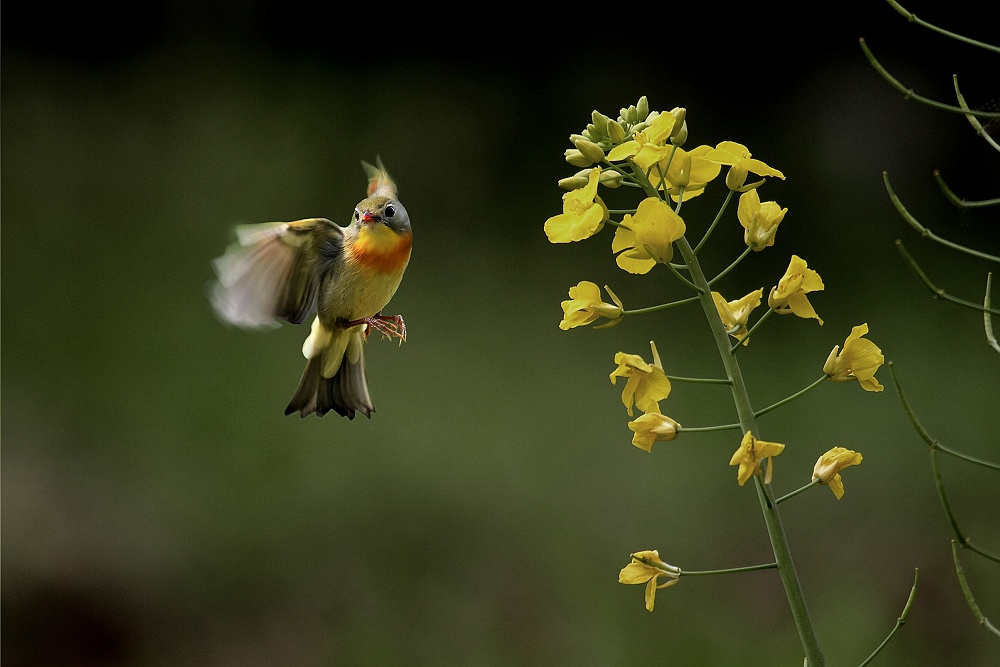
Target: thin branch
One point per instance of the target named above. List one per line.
(960, 572)
(936, 291)
(677, 378)
(972, 119)
(961, 203)
(987, 320)
(758, 413)
(731, 266)
(899, 621)
(662, 306)
(908, 93)
(912, 18)
(926, 233)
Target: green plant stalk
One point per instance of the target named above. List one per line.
(776, 533)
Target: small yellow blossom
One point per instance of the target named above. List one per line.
(735, 314)
(647, 237)
(790, 294)
(645, 568)
(760, 220)
(652, 427)
(583, 213)
(749, 456)
(859, 361)
(686, 172)
(828, 467)
(647, 384)
(646, 146)
(737, 156)
(585, 306)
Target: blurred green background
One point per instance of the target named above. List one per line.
(158, 508)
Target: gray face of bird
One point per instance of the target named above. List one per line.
(379, 209)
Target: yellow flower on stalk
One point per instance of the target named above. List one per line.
(735, 314)
(585, 306)
(645, 568)
(583, 213)
(647, 384)
(685, 171)
(737, 156)
(652, 427)
(859, 360)
(760, 220)
(648, 236)
(828, 467)
(749, 456)
(646, 146)
(790, 294)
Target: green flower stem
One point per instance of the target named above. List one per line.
(961, 203)
(791, 398)
(797, 491)
(926, 233)
(662, 306)
(732, 570)
(736, 346)
(960, 572)
(936, 291)
(987, 320)
(973, 121)
(912, 18)
(731, 266)
(677, 378)
(697, 429)
(899, 621)
(908, 93)
(687, 282)
(711, 228)
(782, 555)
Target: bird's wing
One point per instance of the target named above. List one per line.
(273, 272)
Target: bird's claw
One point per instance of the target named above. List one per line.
(390, 326)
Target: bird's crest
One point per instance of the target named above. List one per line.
(379, 181)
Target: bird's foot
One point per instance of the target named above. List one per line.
(390, 326)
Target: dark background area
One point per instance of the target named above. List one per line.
(158, 508)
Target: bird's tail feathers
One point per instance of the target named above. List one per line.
(335, 380)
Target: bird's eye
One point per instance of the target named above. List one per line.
(356, 214)
(390, 211)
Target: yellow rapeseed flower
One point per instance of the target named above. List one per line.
(828, 467)
(737, 156)
(760, 220)
(583, 213)
(685, 171)
(790, 294)
(646, 146)
(585, 306)
(859, 360)
(648, 236)
(735, 314)
(652, 427)
(749, 456)
(645, 568)
(647, 384)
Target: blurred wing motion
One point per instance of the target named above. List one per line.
(273, 272)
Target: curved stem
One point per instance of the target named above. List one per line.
(971, 601)
(899, 621)
(936, 291)
(711, 228)
(701, 429)
(912, 18)
(908, 93)
(735, 347)
(677, 378)
(731, 266)
(973, 121)
(662, 306)
(926, 233)
(731, 570)
(791, 398)
(796, 492)
(987, 320)
(961, 203)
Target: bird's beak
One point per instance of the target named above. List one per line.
(368, 216)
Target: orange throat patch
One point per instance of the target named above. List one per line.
(381, 250)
